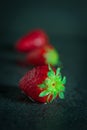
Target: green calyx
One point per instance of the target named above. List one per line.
(51, 57)
(53, 85)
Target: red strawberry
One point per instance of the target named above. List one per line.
(34, 39)
(43, 56)
(43, 84)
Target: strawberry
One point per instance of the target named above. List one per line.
(34, 39)
(43, 56)
(43, 84)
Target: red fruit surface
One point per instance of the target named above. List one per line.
(31, 41)
(29, 83)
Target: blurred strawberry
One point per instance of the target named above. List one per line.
(42, 56)
(31, 41)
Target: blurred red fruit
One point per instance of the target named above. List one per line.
(31, 41)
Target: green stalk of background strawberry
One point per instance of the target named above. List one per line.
(43, 56)
(43, 84)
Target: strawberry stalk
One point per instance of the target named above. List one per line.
(53, 85)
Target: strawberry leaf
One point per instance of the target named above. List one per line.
(64, 80)
(48, 97)
(63, 88)
(51, 73)
(42, 85)
(58, 71)
(61, 95)
(54, 96)
(44, 93)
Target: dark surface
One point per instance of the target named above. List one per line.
(66, 24)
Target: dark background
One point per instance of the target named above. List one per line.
(66, 24)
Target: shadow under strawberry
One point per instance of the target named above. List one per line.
(13, 94)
